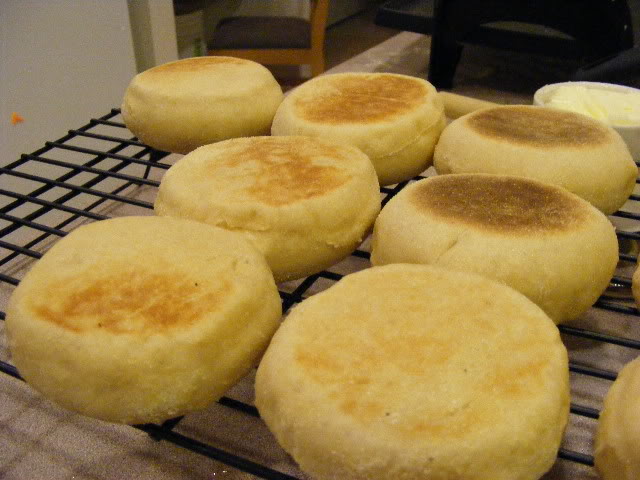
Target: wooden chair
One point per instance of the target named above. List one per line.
(273, 40)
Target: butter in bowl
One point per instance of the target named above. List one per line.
(616, 105)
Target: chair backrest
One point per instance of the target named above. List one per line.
(236, 37)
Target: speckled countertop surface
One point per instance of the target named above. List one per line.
(40, 441)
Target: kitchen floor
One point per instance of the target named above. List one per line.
(343, 40)
(354, 35)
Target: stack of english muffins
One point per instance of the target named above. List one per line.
(442, 360)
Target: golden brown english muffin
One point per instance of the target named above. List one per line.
(562, 148)
(416, 372)
(141, 319)
(305, 203)
(542, 240)
(617, 445)
(182, 105)
(394, 119)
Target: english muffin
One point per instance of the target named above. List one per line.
(635, 286)
(140, 319)
(305, 203)
(416, 372)
(562, 148)
(185, 104)
(617, 444)
(540, 239)
(394, 119)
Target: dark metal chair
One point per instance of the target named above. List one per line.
(593, 30)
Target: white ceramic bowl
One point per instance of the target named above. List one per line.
(630, 133)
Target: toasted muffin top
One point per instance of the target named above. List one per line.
(196, 64)
(422, 353)
(502, 204)
(140, 276)
(131, 300)
(360, 98)
(271, 171)
(538, 127)
(202, 76)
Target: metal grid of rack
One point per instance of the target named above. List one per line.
(100, 170)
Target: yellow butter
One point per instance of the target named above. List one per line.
(617, 108)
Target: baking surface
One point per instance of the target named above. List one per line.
(42, 441)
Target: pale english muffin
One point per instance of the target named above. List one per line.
(394, 119)
(540, 239)
(140, 319)
(182, 105)
(635, 286)
(304, 202)
(617, 444)
(567, 149)
(415, 372)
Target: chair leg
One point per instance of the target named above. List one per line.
(317, 66)
(443, 62)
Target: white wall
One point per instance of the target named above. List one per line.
(153, 28)
(61, 63)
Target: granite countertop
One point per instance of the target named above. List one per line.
(41, 441)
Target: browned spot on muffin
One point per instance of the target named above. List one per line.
(450, 425)
(195, 64)
(288, 170)
(365, 371)
(131, 302)
(516, 381)
(538, 126)
(367, 400)
(500, 204)
(362, 99)
(345, 366)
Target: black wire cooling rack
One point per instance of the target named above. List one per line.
(101, 168)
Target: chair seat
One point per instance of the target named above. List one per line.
(261, 32)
